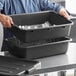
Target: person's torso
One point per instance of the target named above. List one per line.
(21, 6)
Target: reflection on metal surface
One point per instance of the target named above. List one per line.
(70, 72)
(62, 73)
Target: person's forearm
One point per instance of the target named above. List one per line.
(48, 5)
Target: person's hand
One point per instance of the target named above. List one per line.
(64, 13)
(6, 21)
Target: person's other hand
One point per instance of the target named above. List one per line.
(64, 13)
(6, 21)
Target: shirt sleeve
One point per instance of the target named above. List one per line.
(1, 5)
(48, 5)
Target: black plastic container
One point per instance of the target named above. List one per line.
(38, 49)
(57, 27)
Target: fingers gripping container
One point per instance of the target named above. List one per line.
(39, 34)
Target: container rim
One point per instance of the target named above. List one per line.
(53, 26)
(51, 43)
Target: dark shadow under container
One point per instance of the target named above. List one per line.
(38, 49)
